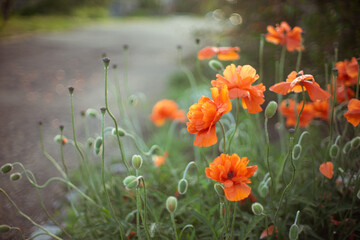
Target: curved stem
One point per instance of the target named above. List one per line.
(224, 137)
(187, 168)
(236, 122)
(261, 56)
(333, 106)
(174, 225)
(267, 156)
(301, 110)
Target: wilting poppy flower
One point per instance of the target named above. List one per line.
(287, 109)
(166, 109)
(233, 172)
(204, 115)
(283, 35)
(321, 109)
(238, 80)
(326, 169)
(159, 160)
(294, 82)
(347, 72)
(353, 114)
(223, 53)
(270, 229)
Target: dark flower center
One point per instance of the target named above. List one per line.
(230, 175)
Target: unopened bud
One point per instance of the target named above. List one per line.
(15, 176)
(355, 142)
(296, 152)
(6, 168)
(270, 110)
(4, 228)
(216, 65)
(341, 170)
(294, 232)
(71, 90)
(92, 112)
(182, 186)
(106, 61)
(347, 147)
(137, 161)
(219, 190)
(96, 151)
(133, 100)
(119, 131)
(257, 208)
(90, 142)
(171, 204)
(334, 151)
(131, 182)
(98, 142)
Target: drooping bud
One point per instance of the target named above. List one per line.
(296, 152)
(182, 186)
(257, 208)
(6, 168)
(137, 161)
(294, 232)
(219, 190)
(131, 182)
(347, 147)
(216, 65)
(270, 110)
(119, 131)
(355, 142)
(92, 112)
(4, 228)
(334, 151)
(106, 61)
(98, 142)
(171, 204)
(15, 176)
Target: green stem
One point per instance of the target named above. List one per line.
(358, 79)
(62, 152)
(261, 56)
(188, 73)
(144, 218)
(236, 122)
(301, 110)
(27, 217)
(332, 107)
(174, 225)
(223, 132)
(138, 206)
(267, 156)
(233, 220)
(187, 168)
(298, 60)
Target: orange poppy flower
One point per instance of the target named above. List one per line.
(238, 80)
(294, 82)
(223, 53)
(283, 35)
(344, 94)
(166, 109)
(347, 72)
(321, 109)
(353, 114)
(233, 172)
(326, 169)
(287, 109)
(159, 160)
(270, 229)
(204, 115)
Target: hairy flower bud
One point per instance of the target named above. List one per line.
(347, 147)
(137, 161)
(334, 151)
(171, 204)
(15, 176)
(296, 152)
(182, 186)
(270, 110)
(219, 190)
(119, 131)
(257, 208)
(294, 232)
(4, 228)
(131, 182)
(92, 112)
(355, 142)
(216, 65)
(98, 142)
(6, 168)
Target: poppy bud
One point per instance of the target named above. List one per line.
(216, 65)
(106, 61)
(257, 208)
(92, 112)
(96, 151)
(58, 139)
(263, 190)
(182, 186)
(119, 131)
(131, 182)
(171, 204)
(6, 168)
(133, 100)
(98, 142)
(355, 143)
(334, 151)
(4, 228)
(296, 152)
(15, 176)
(270, 110)
(137, 161)
(219, 190)
(71, 90)
(347, 147)
(294, 232)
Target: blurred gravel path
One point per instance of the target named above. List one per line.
(35, 72)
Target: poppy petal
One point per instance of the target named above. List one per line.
(326, 169)
(207, 53)
(281, 88)
(237, 192)
(315, 92)
(206, 138)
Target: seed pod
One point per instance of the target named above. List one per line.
(15, 176)
(131, 182)
(296, 152)
(6, 168)
(334, 151)
(106, 61)
(219, 190)
(4, 228)
(355, 142)
(137, 161)
(216, 65)
(294, 232)
(270, 110)
(257, 208)
(171, 204)
(182, 186)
